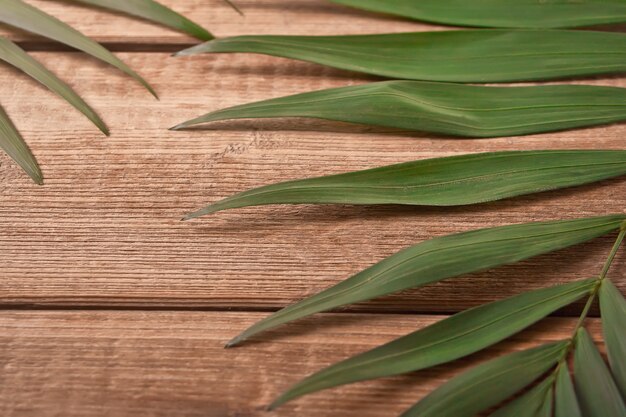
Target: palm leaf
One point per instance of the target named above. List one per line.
(442, 258)
(501, 13)
(597, 392)
(16, 56)
(12, 143)
(458, 180)
(488, 384)
(450, 109)
(446, 340)
(613, 308)
(535, 403)
(456, 55)
(18, 14)
(565, 401)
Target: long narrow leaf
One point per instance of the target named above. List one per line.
(16, 56)
(21, 15)
(446, 340)
(455, 55)
(535, 403)
(153, 11)
(565, 401)
(451, 181)
(443, 108)
(613, 309)
(501, 13)
(13, 144)
(442, 258)
(488, 384)
(597, 392)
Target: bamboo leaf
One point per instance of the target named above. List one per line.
(613, 309)
(488, 384)
(21, 15)
(451, 109)
(153, 11)
(597, 392)
(446, 340)
(565, 401)
(442, 258)
(451, 181)
(535, 403)
(501, 13)
(16, 56)
(455, 55)
(12, 143)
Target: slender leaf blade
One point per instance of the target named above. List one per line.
(613, 309)
(488, 384)
(565, 401)
(535, 403)
(16, 56)
(597, 392)
(445, 257)
(488, 55)
(450, 181)
(13, 144)
(501, 13)
(447, 340)
(443, 108)
(21, 15)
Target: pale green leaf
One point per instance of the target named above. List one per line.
(13, 144)
(451, 181)
(565, 401)
(443, 108)
(535, 403)
(14, 55)
(21, 15)
(446, 340)
(613, 309)
(453, 55)
(597, 392)
(442, 258)
(488, 384)
(501, 13)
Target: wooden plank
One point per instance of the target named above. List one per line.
(105, 228)
(86, 363)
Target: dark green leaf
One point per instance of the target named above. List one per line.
(489, 384)
(14, 55)
(613, 308)
(12, 143)
(565, 401)
(442, 258)
(458, 180)
(501, 13)
(18, 14)
(454, 55)
(446, 340)
(153, 11)
(535, 403)
(451, 109)
(597, 392)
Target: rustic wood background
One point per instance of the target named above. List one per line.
(110, 306)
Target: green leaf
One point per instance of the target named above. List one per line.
(153, 11)
(16, 56)
(597, 392)
(12, 143)
(501, 13)
(565, 401)
(450, 109)
(535, 403)
(446, 340)
(442, 258)
(613, 309)
(18, 14)
(488, 384)
(451, 181)
(454, 55)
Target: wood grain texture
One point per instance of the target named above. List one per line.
(84, 363)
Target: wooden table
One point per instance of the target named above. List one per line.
(113, 307)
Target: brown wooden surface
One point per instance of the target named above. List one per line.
(104, 232)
